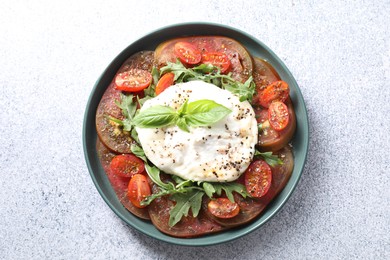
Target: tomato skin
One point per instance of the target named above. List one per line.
(223, 208)
(165, 81)
(217, 59)
(258, 178)
(187, 53)
(126, 165)
(138, 190)
(276, 91)
(278, 115)
(133, 80)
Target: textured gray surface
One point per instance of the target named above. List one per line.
(52, 53)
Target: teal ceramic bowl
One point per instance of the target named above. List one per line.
(149, 42)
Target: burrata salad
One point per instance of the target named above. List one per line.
(194, 135)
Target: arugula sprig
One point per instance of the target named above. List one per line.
(188, 194)
(198, 113)
(271, 159)
(129, 110)
(211, 74)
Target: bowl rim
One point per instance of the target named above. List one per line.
(204, 240)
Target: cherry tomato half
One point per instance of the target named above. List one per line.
(126, 165)
(133, 80)
(217, 59)
(165, 81)
(278, 115)
(187, 53)
(258, 178)
(223, 208)
(276, 91)
(138, 190)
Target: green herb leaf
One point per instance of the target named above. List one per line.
(271, 159)
(151, 90)
(211, 74)
(155, 116)
(138, 151)
(154, 174)
(198, 113)
(184, 202)
(128, 108)
(244, 91)
(134, 135)
(208, 189)
(205, 112)
(229, 188)
(182, 124)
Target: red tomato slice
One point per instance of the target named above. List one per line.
(138, 190)
(133, 80)
(187, 53)
(126, 165)
(258, 178)
(165, 81)
(223, 208)
(276, 91)
(217, 59)
(278, 115)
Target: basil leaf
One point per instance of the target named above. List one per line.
(182, 124)
(205, 112)
(183, 109)
(156, 116)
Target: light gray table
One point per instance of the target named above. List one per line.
(51, 53)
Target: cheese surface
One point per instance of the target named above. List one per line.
(220, 152)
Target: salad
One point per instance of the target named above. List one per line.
(194, 135)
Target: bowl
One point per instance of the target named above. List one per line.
(149, 42)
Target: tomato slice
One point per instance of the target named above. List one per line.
(218, 59)
(133, 80)
(276, 91)
(187, 53)
(126, 165)
(138, 190)
(258, 178)
(165, 81)
(278, 115)
(223, 208)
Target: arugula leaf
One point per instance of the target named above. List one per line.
(244, 91)
(134, 135)
(208, 189)
(155, 116)
(229, 188)
(184, 202)
(128, 108)
(138, 151)
(154, 174)
(271, 159)
(151, 90)
(211, 74)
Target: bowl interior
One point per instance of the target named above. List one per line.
(149, 42)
